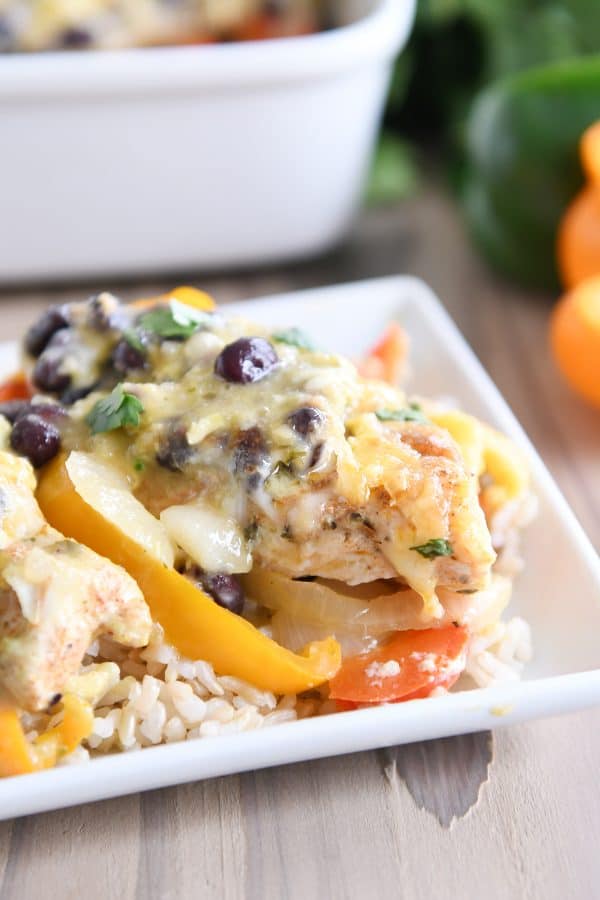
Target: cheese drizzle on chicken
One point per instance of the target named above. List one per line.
(293, 469)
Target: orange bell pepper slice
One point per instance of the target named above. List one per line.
(20, 757)
(409, 666)
(197, 626)
(189, 296)
(16, 387)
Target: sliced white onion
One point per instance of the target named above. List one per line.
(373, 608)
(107, 490)
(480, 609)
(294, 634)
(376, 606)
(212, 539)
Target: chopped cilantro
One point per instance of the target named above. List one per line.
(433, 548)
(295, 337)
(114, 411)
(139, 465)
(174, 321)
(134, 340)
(411, 413)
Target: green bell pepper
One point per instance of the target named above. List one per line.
(523, 167)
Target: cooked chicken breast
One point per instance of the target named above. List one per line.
(20, 516)
(256, 447)
(55, 596)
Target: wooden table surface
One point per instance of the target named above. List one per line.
(515, 815)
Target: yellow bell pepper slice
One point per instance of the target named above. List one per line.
(15, 749)
(77, 724)
(189, 296)
(505, 463)
(192, 297)
(197, 626)
(487, 451)
(20, 757)
(467, 432)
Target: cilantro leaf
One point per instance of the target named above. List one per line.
(434, 548)
(134, 340)
(114, 411)
(174, 321)
(295, 337)
(411, 413)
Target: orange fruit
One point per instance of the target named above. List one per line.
(578, 242)
(575, 338)
(589, 151)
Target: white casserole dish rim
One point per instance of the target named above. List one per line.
(213, 66)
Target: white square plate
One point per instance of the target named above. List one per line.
(558, 593)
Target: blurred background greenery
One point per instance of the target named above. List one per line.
(498, 92)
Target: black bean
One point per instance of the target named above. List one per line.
(36, 438)
(47, 374)
(39, 335)
(125, 357)
(73, 394)
(48, 377)
(174, 451)
(59, 340)
(305, 420)
(225, 590)
(12, 409)
(48, 411)
(75, 38)
(246, 360)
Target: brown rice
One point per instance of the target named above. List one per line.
(151, 696)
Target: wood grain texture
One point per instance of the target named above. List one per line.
(371, 824)
(444, 777)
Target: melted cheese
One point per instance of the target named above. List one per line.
(235, 482)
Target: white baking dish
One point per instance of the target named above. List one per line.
(558, 592)
(190, 157)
